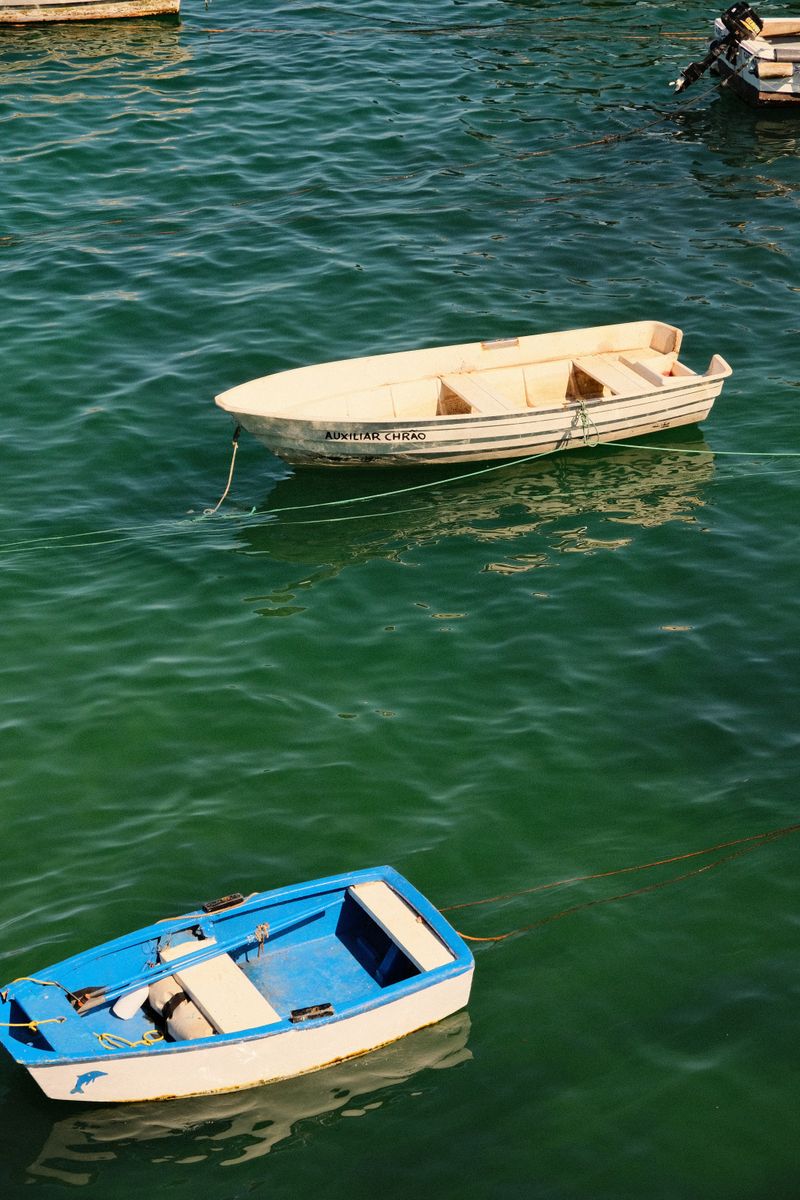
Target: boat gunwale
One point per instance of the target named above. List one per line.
(479, 443)
(515, 417)
(262, 1033)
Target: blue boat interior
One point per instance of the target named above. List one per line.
(310, 955)
(346, 959)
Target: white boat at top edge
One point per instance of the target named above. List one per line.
(482, 400)
(24, 12)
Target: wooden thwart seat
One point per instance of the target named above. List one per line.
(777, 41)
(402, 925)
(474, 392)
(620, 379)
(221, 990)
(654, 376)
(777, 27)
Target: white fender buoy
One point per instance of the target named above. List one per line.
(129, 1003)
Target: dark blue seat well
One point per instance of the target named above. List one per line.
(371, 947)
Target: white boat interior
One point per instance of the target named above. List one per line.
(504, 377)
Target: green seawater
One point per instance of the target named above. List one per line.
(553, 670)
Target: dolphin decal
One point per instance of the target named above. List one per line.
(83, 1080)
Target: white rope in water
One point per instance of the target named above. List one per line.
(416, 487)
(181, 525)
(209, 512)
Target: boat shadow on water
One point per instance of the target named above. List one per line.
(585, 501)
(229, 1129)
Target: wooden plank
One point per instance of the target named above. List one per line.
(406, 929)
(774, 70)
(651, 374)
(617, 378)
(221, 990)
(477, 395)
(775, 27)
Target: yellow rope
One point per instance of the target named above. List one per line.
(32, 1025)
(112, 1041)
(109, 1041)
(30, 979)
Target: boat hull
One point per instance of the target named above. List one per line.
(465, 439)
(85, 10)
(757, 92)
(250, 1062)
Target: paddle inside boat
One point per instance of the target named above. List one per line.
(482, 400)
(240, 992)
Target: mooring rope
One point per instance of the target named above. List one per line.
(209, 512)
(745, 846)
(512, 462)
(708, 450)
(34, 1023)
(589, 431)
(401, 28)
(179, 526)
(412, 487)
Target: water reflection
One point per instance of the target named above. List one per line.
(626, 488)
(737, 134)
(234, 1128)
(98, 45)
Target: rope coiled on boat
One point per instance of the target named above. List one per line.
(33, 1024)
(113, 1041)
(589, 431)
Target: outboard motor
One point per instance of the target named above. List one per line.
(741, 22)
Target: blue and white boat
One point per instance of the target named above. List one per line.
(240, 992)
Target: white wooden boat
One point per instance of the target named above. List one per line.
(758, 56)
(481, 400)
(240, 992)
(25, 12)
